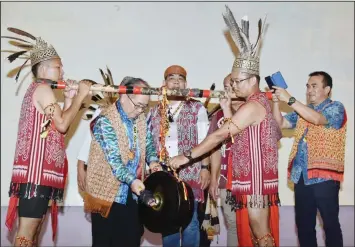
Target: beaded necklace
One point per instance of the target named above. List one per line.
(171, 116)
(132, 151)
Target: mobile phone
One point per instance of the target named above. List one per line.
(269, 82)
(278, 80)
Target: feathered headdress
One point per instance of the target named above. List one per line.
(39, 49)
(101, 99)
(247, 60)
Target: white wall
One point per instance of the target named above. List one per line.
(142, 39)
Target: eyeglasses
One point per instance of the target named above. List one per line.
(138, 107)
(233, 81)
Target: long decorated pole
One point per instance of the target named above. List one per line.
(192, 92)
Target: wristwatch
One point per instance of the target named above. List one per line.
(187, 154)
(291, 101)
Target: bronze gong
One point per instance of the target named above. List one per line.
(173, 211)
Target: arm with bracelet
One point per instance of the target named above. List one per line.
(247, 115)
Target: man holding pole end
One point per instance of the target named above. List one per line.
(253, 175)
(40, 166)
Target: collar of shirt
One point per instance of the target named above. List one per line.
(321, 105)
(122, 113)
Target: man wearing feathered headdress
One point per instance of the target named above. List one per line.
(40, 165)
(253, 175)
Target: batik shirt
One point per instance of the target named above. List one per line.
(334, 113)
(107, 138)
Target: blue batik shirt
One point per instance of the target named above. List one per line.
(106, 136)
(334, 113)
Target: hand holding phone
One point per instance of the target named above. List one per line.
(277, 80)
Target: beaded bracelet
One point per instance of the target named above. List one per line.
(229, 120)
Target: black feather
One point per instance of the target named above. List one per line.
(213, 86)
(19, 71)
(259, 33)
(110, 78)
(96, 98)
(89, 116)
(14, 56)
(103, 76)
(92, 108)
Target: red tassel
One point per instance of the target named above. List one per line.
(54, 216)
(11, 213)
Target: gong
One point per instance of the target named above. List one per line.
(174, 210)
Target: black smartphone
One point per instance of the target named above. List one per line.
(269, 82)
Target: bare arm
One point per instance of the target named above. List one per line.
(67, 103)
(216, 158)
(81, 165)
(281, 121)
(81, 175)
(45, 97)
(244, 117)
(215, 173)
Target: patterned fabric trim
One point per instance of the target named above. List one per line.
(102, 185)
(34, 190)
(255, 201)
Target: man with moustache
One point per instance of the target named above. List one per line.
(253, 178)
(188, 126)
(316, 162)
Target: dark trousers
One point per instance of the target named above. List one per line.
(121, 228)
(323, 196)
(204, 241)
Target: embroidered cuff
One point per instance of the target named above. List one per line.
(124, 175)
(129, 179)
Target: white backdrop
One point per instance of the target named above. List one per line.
(142, 39)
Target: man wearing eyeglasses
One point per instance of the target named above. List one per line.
(120, 148)
(253, 177)
(188, 126)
